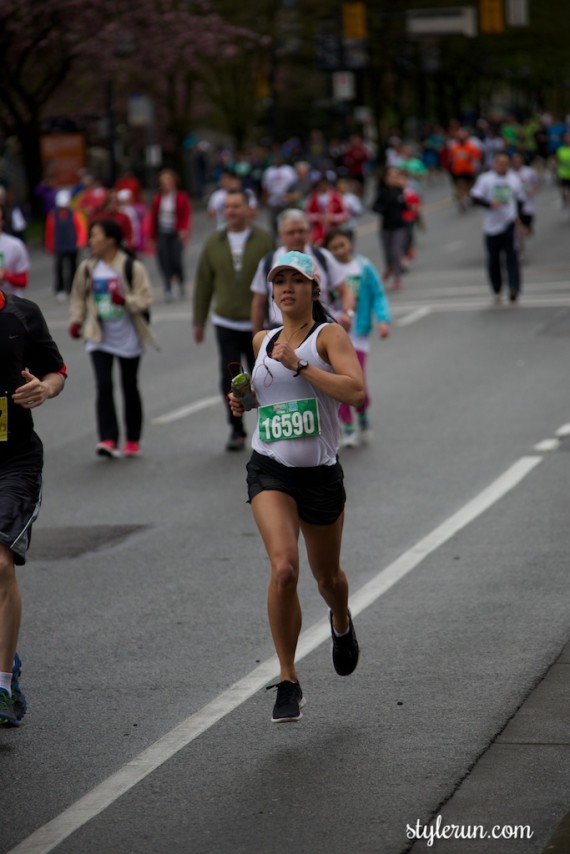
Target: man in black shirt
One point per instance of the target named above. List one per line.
(31, 371)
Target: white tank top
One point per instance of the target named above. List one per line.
(275, 384)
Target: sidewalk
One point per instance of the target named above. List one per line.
(521, 780)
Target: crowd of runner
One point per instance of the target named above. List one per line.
(295, 305)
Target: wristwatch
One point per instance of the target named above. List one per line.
(301, 365)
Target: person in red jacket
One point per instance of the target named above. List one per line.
(170, 221)
(355, 160)
(111, 210)
(325, 209)
(14, 261)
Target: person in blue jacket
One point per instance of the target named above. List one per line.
(371, 304)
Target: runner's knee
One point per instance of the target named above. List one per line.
(284, 572)
(7, 570)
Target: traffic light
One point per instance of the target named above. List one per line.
(354, 25)
(492, 16)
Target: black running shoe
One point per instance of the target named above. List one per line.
(7, 713)
(345, 649)
(289, 702)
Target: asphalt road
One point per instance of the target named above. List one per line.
(145, 641)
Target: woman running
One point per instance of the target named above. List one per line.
(295, 482)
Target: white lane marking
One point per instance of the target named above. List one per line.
(185, 411)
(548, 445)
(408, 319)
(482, 304)
(467, 514)
(453, 246)
(47, 837)
(563, 431)
(528, 300)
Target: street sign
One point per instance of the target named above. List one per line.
(517, 13)
(454, 21)
(140, 111)
(344, 88)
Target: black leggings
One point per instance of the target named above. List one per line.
(107, 424)
(170, 259)
(233, 345)
(63, 277)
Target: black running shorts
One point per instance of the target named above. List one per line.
(318, 491)
(20, 500)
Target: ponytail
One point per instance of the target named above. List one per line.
(320, 314)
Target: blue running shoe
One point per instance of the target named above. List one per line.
(18, 697)
(7, 714)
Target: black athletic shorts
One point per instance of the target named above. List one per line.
(20, 500)
(318, 491)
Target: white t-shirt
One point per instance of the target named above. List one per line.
(276, 181)
(119, 334)
(237, 241)
(167, 213)
(353, 204)
(274, 384)
(352, 272)
(14, 258)
(18, 220)
(331, 278)
(508, 189)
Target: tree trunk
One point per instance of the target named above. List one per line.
(28, 134)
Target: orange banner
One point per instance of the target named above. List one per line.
(63, 155)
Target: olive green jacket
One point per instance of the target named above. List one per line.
(217, 281)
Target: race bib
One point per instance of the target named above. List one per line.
(106, 309)
(3, 419)
(503, 193)
(293, 419)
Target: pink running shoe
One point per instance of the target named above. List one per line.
(132, 449)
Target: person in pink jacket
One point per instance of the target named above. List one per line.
(170, 222)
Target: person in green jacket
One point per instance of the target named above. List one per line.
(226, 268)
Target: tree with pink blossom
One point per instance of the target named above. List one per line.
(60, 50)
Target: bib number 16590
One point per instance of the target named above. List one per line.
(294, 419)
